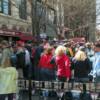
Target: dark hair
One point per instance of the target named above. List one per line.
(4, 42)
(97, 44)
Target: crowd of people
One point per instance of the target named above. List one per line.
(47, 61)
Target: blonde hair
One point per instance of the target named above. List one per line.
(60, 50)
(48, 50)
(80, 56)
(6, 63)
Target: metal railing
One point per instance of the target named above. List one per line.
(30, 85)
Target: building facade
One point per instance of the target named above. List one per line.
(15, 18)
(52, 17)
(46, 14)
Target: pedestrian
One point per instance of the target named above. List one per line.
(8, 80)
(47, 72)
(63, 64)
(20, 54)
(89, 50)
(95, 72)
(69, 50)
(81, 65)
(37, 54)
(6, 51)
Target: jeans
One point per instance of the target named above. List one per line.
(9, 96)
(47, 74)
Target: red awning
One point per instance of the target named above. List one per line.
(79, 39)
(7, 33)
(24, 37)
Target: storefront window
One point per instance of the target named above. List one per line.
(5, 7)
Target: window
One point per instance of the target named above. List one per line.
(23, 9)
(5, 7)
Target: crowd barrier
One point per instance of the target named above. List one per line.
(56, 86)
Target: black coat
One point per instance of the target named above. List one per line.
(82, 68)
(20, 59)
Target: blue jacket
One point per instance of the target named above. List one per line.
(96, 65)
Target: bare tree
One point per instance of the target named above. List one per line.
(38, 11)
(80, 15)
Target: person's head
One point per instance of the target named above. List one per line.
(60, 50)
(20, 43)
(48, 50)
(80, 56)
(97, 46)
(4, 44)
(88, 45)
(82, 48)
(44, 41)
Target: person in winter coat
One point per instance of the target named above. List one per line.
(47, 71)
(81, 66)
(95, 72)
(63, 64)
(6, 51)
(69, 50)
(20, 55)
(89, 50)
(8, 80)
(23, 59)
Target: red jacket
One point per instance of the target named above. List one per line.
(45, 61)
(63, 64)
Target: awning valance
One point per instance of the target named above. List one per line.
(24, 37)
